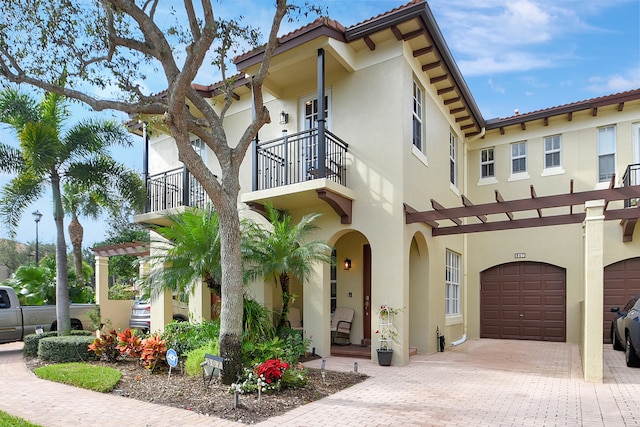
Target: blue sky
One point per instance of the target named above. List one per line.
(524, 54)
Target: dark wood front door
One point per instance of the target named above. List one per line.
(366, 294)
(523, 300)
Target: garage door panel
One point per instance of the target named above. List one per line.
(621, 282)
(532, 302)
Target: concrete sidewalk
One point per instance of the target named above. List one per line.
(479, 383)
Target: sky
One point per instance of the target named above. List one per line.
(523, 55)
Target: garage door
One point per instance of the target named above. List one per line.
(621, 282)
(523, 300)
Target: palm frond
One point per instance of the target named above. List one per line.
(94, 137)
(17, 109)
(19, 193)
(11, 160)
(40, 146)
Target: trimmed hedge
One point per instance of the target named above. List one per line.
(72, 348)
(31, 341)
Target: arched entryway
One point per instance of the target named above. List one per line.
(421, 337)
(621, 282)
(523, 300)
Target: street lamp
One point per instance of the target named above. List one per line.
(36, 217)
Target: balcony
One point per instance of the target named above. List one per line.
(174, 188)
(631, 177)
(295, 158)
(294, 171)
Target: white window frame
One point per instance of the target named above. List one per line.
(606, 148)
(417, 115)
(552, 150)
(522, 154)
(489, 163)
(452, 283)
(453, 159)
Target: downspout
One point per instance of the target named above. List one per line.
(254, 146)
(145, 166)
(465, 290)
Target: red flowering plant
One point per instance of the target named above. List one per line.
(270, 372)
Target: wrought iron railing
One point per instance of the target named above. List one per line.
(173, 188)
(631, 177)
(296, 158)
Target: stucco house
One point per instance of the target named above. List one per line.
(514, 228)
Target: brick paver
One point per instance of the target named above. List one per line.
(478, 383)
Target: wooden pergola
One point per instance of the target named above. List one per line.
(479, 213)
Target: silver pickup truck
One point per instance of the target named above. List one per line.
(17, 321)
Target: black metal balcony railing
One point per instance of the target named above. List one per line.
(174, 188)
(297, 158)
(631, 177)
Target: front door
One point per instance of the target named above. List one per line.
(366, 294)
(309, 143)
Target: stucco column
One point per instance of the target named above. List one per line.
(317, 310)
(161, 311)
(593, 291)
(102, 279)
(200, 303)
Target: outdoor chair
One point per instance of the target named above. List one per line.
(341, 326)
(293, 319)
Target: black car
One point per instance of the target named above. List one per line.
(625, 330)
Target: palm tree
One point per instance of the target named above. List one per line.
(49, 156)
(190, 251)
(282, 252)
(80, 201)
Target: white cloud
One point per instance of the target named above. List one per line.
(615, 82)
(499, 36)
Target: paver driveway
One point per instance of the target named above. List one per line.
(478, 383)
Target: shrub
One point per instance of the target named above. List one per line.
(106, 347)
(71, 348)
(256, 320)
(271, 370)
(130, 343)
(154, 352)
(184, 336)
(31, 341)
(294, 377)
(196, 356)
(254, 353)
(295, 345)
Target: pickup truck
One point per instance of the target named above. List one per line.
(17, 321)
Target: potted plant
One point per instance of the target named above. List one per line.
(386, 333)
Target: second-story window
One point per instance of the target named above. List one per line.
(453, 154)
(487, 163)
(417, 116)
(606, 152)
(519, 157)
(552, 158)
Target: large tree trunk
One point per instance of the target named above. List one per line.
(231, 313)
(76, 233)
(62, 285)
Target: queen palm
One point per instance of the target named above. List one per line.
(282, 252)
(50, 155)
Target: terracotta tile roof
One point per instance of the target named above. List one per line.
(601, 101)
(382, 15)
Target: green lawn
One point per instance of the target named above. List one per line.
(7, 420)
(96, 378)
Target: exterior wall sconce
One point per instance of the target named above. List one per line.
(347, 264)
(284, 118)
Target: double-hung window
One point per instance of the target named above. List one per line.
(606, 153)
(552, 152)
(417, 116)
(519, 157)
(452, 284)
(453, 155)
(487, 163)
